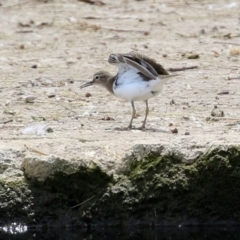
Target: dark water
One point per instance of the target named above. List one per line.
(162, 233)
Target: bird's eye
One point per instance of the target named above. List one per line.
(97, 77)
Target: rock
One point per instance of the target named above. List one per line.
(153, 176)
(193, 56)
(40, 169)
(30, 99)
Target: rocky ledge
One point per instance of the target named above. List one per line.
(154, 185)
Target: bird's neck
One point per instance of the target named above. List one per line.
(109, 84)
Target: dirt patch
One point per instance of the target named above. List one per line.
(49, 49)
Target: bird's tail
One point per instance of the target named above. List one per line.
(165, 78)
(169, 76)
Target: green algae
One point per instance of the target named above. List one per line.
(162, 188)
(153, 188)
(15, 201)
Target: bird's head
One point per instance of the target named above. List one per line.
(99, 78)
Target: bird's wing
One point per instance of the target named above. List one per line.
(141, 64)
(157, 67)
(142, 67)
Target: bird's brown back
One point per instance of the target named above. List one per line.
(158, 67)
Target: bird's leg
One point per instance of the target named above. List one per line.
(133, 115)
(146, 114)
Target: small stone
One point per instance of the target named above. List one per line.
(69, 80)
(45, 81)
(10, 112)
(51, 95)
(175, 130)
(88, 95)
(106, 118)
(215, 53)
(223, 93)
(30, 99)
(187, 133)
(72, 19)
(193, 56)
(217, 113)
(38, 118)
(7, 102)
(234, 51)
(228, 35)
(214, 29)
(34, 66)
(49, 130)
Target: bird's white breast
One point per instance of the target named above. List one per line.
(130, 86)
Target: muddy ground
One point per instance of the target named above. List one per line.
(48, 49)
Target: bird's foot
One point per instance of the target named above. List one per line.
(123, 128)
(130, 127)
(142, 127)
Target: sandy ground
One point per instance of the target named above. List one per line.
(47, 50)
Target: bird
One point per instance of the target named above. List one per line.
(139, 78)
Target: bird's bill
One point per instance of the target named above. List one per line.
(87, 84)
